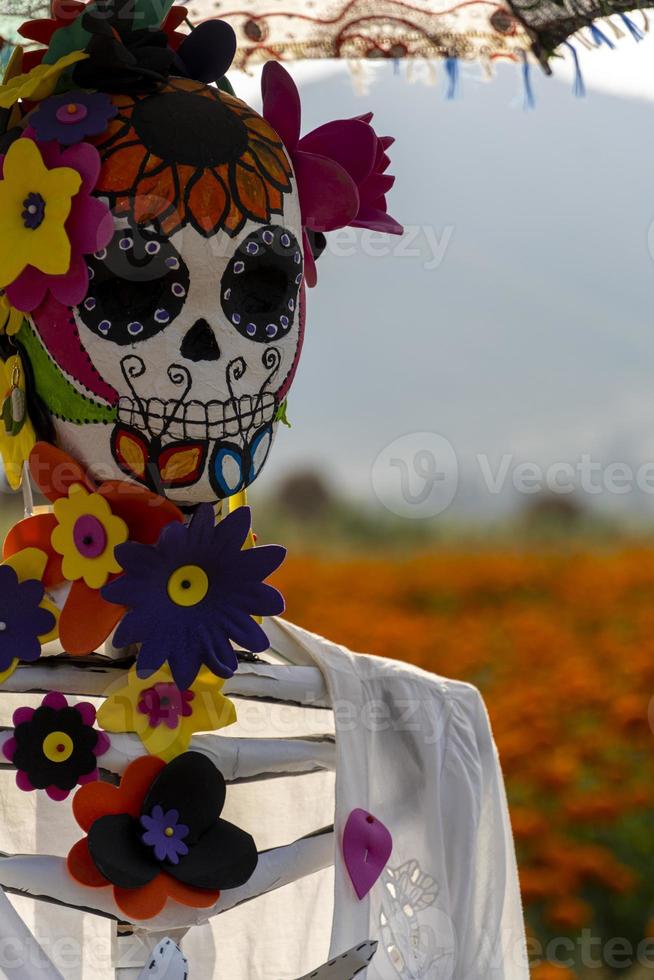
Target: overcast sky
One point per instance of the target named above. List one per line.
(524, 326)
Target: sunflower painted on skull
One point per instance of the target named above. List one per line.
(162, 234)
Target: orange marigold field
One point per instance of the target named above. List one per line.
(562, 647)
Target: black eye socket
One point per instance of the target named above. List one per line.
(137, 287)
(259, 290)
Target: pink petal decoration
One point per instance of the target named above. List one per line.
(89, 227)
(24, 782)
(21, 715)
(8, 749)
(87, 712)
(57, 794)
(55, 324)
(329, 197)
(55, 700)
(339, 167)
(367, 846)
(281, 103)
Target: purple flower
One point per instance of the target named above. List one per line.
(164, 834)
(71, 117)
(165, 704)
(194, 593)
(22, 621)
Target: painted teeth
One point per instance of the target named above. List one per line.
(195, 420)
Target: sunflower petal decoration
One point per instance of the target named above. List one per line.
(159, 835)
(193, 593)
(17, 435)
(163, 715)
(55, 746)
(28, 619)
(79, 537)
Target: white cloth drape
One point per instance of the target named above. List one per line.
(415, 750)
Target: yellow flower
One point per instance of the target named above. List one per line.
(11, 320)
(38, 83)
(86, 535)
(163, 717)
(30, 564)
(34, 205)
(17, 436)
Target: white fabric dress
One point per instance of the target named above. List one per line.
(415, 750)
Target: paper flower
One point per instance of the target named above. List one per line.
(340, 167)
(38, 83)
(55, 747)
(163, 716)
(49, 221)
(86, 619)
(17, 436)
(127, 825)
(11, 320)
(28, 619)
(71, 117)
(85, 536)
(193, 592)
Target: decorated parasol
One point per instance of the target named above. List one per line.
(483, 31)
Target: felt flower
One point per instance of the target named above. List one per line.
(239, 172)
(193, 593)
(38, 83)
(164, 834)
(71, 117)
(85, 536)
(86, 619)
(164, 716)
(49, 221)
(17, 436)
(11, 320)
(28, 619)
(55, 747)
(159, 835)
(65, 12)
(340, 167)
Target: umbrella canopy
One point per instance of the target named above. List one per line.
(486, 30)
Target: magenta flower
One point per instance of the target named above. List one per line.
(340, 167)
(71, 117)
(89, 227)
(165, 704)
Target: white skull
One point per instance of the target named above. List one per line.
(188, 339)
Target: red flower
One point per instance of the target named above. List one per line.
(340, 167)
(86, 619)
(98, 800)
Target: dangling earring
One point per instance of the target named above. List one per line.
(17, 435)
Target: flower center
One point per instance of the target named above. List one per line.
(169, 831)
(72, 112)
(188, 585)
(57, 747)
(89, 536)
(34, 211)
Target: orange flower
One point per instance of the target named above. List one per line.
(151, 171)
(569, 913)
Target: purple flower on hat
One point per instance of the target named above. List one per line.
(22, 620)
(165, 834)
(193, 593)
(71, 117)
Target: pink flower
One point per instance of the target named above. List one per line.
(89, 227)
(340, 167)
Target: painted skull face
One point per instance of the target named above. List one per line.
(174, 368)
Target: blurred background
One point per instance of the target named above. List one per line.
(468, 479)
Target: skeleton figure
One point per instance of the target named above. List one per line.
(174, 368)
